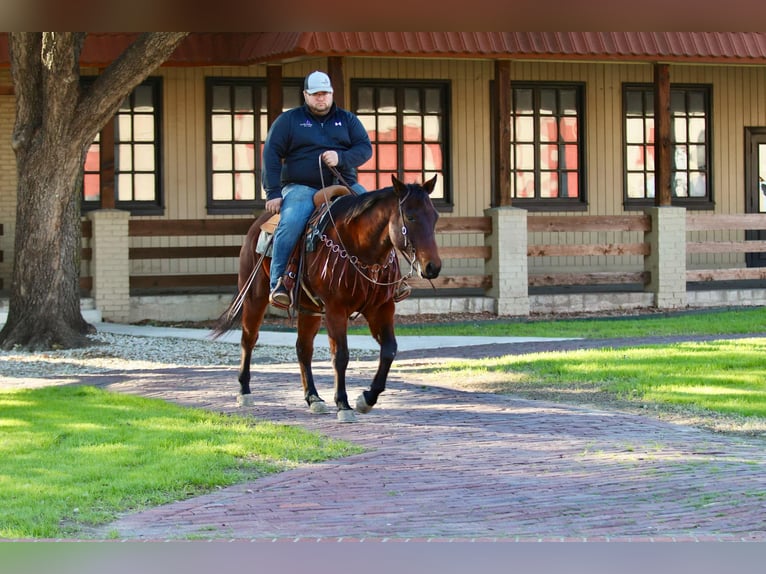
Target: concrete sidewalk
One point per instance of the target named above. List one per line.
(287, 338)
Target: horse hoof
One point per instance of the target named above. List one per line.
(245, 400)
(318, 408)
(346, 416)
(361, 405)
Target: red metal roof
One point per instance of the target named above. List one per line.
(258, 47)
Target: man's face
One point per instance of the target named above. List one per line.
(319, 103)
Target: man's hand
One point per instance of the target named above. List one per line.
(330, 158)
(274, 205)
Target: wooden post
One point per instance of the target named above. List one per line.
(501, 195)
(662, 149)
(106, 165)
(335, 71)
(274, 101)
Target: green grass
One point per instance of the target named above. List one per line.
(75, 456)
(717, 322)
(726, 377)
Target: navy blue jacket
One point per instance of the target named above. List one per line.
(297, 138)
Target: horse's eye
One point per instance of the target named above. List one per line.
(410, 217)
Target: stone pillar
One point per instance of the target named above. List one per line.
(508, 264)
(110, 266)
(667, 261)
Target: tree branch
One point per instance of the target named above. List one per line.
(24, 49)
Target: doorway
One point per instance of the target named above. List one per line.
(755, 187)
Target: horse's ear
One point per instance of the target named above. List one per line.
(398, 185)
(429, 185)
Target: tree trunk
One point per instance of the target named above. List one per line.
(55, 124)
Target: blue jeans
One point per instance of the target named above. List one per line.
(297, 207)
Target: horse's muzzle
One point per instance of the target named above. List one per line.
(431, 270)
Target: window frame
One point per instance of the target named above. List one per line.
(538, 204)
(259, 87)
(135, 207)
(445, 203)
(697, 203)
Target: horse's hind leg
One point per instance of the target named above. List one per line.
(381, 324)
(308, 326)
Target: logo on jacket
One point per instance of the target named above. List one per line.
(338, 123)
(306, 124)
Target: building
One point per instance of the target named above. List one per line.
(552, 195)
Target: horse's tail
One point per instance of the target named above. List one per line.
(232, 316)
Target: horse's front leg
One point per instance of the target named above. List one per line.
(381, 322)
(337, 334)
(308, 326)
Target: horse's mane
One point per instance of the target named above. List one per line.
(362, 202)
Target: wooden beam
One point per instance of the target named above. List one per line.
(335, 71)
(502, 134)
(273, 93)
(6, 91)
(662, 156)
(106, 166)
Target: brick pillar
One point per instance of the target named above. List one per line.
(667, 261)
(110, 267)
(508, 264)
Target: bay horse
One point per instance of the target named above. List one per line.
(353, 268)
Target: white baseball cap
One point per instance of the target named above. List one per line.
(317, 82)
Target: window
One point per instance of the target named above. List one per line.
(690, 141)
(237, 125)
(546, 146)
(137, 153)
(407, 122)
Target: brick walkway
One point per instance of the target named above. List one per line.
(446, 464)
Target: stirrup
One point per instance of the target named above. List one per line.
(279, 296)
(402, 292)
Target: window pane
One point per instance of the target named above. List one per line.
(677, 103)
(548, 102)
(696, 104)
(548, 129)
(123, 128)
(636, 186)
(696, 157)
(244, 186)
(432, 128)
(367, 180)
(411, 101)
(570, 159)
(243, 99)
(680, 157)
(525, 157)
(525, 184)
(698, 184)
(569, 129)
(144, 190)
(697, 130)
(387, 128)
(571, 182)
(635, 158)
(222, 160)
(680, 185)
(433, 157)
(634, 103)
(387, 103)
(634, 130)
(433, 102)
(291, 98)
(412, 129)
(413, 158)
(143, 156)
(143, 99)
(549, 156)
(568, 102)
(244, 128)
(93, 158)
(222, 186)
(124, 189)
(144, 128)
(221, 128)
(365, 100)
(221, 97)
(649, 127)
(549, 184)
(244, 158)
(679, 130)
(387, 160)
(123, 157)
(525, 129)
(92, 187)
(523, 101)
